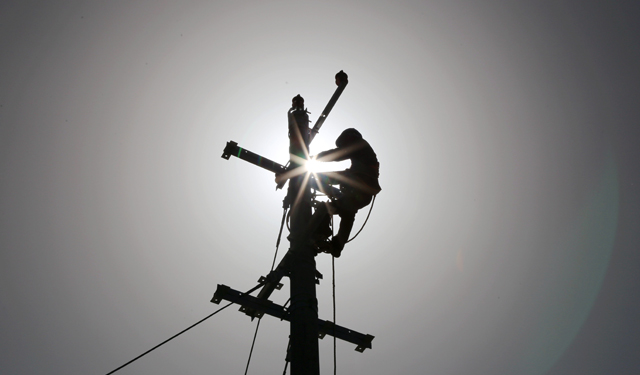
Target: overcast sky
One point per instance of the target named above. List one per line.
(505, 240)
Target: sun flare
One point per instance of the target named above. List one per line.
(312, 165)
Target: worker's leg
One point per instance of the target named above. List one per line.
(346, 224)
(347, 206)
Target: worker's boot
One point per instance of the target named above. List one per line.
(324, 246)
(336, 247)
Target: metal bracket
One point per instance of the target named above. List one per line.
(263, 280)
(230, 149)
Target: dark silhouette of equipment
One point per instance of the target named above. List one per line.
(299, 262)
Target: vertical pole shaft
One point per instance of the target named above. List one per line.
(304, 305)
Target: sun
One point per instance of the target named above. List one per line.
(312, 165)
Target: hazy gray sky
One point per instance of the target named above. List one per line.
(505, 240)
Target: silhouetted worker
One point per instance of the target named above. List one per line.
(358, 184)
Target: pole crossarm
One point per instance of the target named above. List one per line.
(263, 306)
(232, 148)
(342, 81)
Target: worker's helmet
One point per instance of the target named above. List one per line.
(348, 137)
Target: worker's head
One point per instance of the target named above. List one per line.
(297, 102)
(348, 137)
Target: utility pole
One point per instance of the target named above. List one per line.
(299, 262)
(304, 305)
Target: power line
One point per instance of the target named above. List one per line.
(180, 333)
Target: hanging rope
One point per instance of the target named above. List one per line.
(286, 358)
(252, 345)
(333, 285)
(365, 220)
(333, 269)
(284, 216)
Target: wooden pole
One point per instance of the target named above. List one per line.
(304, 304)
